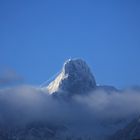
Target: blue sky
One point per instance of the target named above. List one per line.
(36, 37)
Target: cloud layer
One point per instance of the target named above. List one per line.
(25, 103)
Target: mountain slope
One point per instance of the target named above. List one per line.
(130, 132)
(33, 131)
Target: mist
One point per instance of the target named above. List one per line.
(23, 104)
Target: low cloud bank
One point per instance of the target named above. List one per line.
(23, 104)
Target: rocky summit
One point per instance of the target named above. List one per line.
(74, 78)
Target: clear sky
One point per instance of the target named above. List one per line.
(36, 37)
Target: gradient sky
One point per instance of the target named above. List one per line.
(36, 37)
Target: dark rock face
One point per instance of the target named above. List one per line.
(130, 132)
(32, 131)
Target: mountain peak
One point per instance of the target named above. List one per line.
(73, 65)
(75, 77)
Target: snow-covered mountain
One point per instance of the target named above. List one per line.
(95, 112)
(75, 78)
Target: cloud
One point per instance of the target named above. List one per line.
(93, 112)
(30, 103)
(121, 104)
(9, 77)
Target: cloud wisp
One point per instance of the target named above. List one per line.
(10, 77)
